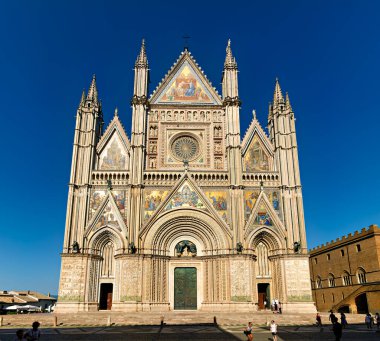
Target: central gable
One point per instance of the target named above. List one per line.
(185, 84)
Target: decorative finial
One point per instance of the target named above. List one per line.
(116, 113)
(186, 38)
(186, 165)
(254, 114)
(261, 186)
(230, 61)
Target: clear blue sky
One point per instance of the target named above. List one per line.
(325, 53)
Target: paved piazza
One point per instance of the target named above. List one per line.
(195, 332)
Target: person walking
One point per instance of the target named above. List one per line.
(279, 307)
(248, 331)
(273, 330)
(368, 321)
(377, 319)
(343, 320)
(265, 304)
(319, 320)
(337, 329)
(332, 317)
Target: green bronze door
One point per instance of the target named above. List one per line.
(185, 288)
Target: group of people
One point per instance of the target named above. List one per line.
(248, 331)
(33, 334)
(276, 306)
(371, 320)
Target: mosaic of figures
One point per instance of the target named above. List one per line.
(186, 115)
(108, 217)
(219, 202)
(113, 157)
(186, 87)
(153, 199)
(98, 196)
(250, 198)
(262, 216)
(185, 197)
(256, 158)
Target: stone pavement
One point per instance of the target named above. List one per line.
(194, 332)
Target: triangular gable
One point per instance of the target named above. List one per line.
(263, 214)
(185, 83)
(185, 194)
(257, 151)
(107, 214)
(256, 129)
(113, 147)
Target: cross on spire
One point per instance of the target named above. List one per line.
(186, 38)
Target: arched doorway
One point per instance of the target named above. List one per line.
(361, 304)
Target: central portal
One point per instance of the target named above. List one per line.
(185, 289)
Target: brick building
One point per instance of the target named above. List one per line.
(345, 274)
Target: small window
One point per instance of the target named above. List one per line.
(328, 256)
(358, 248)
(342, 253)
(331, 281)
(315, 261)
(346, 278)
(318, 283)
(361, 276)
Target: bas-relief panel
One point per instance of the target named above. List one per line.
(219, 202)
(186, 87)
(153, 199)
(250, 198)
(185, 197)
(255, 158)
(113, 157)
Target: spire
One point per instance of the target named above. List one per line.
(277, 96)
(142, 60)
(230, 61)
(82, 99)
(288, 106)
(93, 91)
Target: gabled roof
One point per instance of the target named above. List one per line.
(115, 126)
(198, 91)
(255, 128)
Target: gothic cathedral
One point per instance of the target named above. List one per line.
(184, 214)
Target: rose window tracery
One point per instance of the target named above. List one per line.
(185, 148)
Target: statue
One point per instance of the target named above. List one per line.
(186, 245)
(109, 184)
(239, 247)
(132, 248)
(297, 247)
(76, 248)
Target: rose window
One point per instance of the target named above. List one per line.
(185, 148)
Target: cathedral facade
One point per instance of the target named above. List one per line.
(185, 214)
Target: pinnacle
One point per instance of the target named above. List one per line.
(142, 59)
(93, 91)
(287, 103)
(230, 61)
(116, 113)
(83, 98)
(277, 96)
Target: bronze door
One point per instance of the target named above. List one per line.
(185, 288)
(261, 300)
(109, 301)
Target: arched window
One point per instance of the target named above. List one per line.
(108, 262)
(360, 274)
(318, 282)
(346, 278)
(262, 264)
(331, 281)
